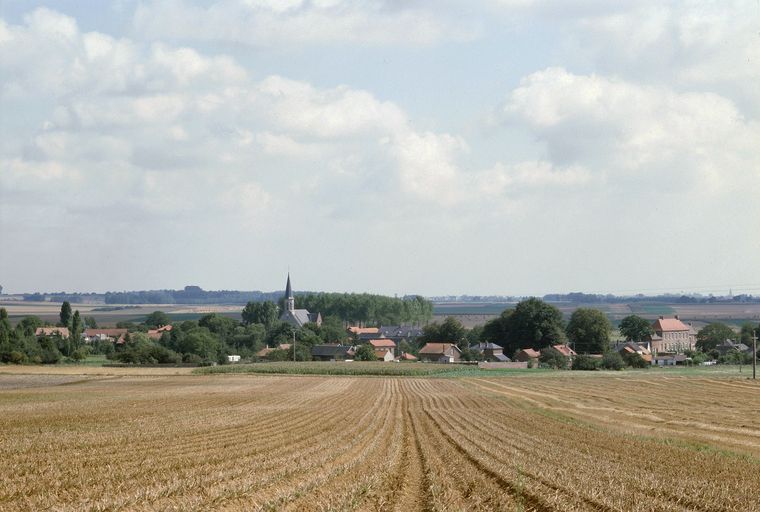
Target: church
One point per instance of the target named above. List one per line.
(297, 317)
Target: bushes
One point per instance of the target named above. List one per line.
(550, 358)
(365, 353)
(585, 363)
(635, 360)
(613, 361)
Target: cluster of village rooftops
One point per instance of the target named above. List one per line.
(668, 345)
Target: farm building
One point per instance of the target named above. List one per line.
(63, 332)
(155, 334)
(114, 335)
(360, 331)
(490, 352)
(631, 347)
(383, 345)
(670, 359)
(672, 335)
(331, 352)
(729, 346)
(527, 355)
(406, 356)
(396, 333)
(440, 353)
(564, 350)
(297, 317)
(264, 352)
(384, 354)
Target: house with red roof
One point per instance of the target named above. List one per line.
(528, 355)
(440, 353)
(382, 346)
(113, 335)
(671, 335)
(63, 332)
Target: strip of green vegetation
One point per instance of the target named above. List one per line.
(359, 368)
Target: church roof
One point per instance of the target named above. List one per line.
(288, 288)
(299, 317)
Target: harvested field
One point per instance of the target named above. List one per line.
(557, 441)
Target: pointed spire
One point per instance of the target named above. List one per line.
(290, 301)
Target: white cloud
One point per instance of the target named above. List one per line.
(294, 22)
(611, 126)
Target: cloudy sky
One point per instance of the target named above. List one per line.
(433, 147)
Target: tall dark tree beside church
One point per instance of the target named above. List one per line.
(65, 314)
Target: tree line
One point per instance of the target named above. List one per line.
(368, 309)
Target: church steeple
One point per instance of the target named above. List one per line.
(290, 302)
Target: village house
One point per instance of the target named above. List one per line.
(564, 350)
(264, 352)
(669, 359)
(631, 347)
(63, 332)
(112, 335)
(297, 317)
(397, 333)
(332, 352)
(383, 345)
(673, 336)
(406, 356)
(440, 353)
(528, 355)
(364, 331)
(155, 334)
(490, 352)
(728, 346)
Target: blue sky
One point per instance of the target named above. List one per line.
(486, 147)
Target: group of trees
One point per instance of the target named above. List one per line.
(535, 324)
(21, 345)
(368, 309)
(532, 323)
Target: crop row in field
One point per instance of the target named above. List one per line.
(338, 368)
(316, 443)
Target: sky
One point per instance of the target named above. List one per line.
(487, 147)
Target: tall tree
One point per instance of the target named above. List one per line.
(711, 335)
(531, 324)
(635, 328)
(65, 314)
(265, 313)
(76, 329)
(589, 331)
(535, 324)
(450, 330)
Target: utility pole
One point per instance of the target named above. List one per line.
(294, 345)
(754, 354)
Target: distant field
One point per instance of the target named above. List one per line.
(110, 314)
(629, 441)
(471, 314)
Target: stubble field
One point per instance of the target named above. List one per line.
(559, 441)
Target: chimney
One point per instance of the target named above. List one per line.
(662, 317)
(677, 317)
